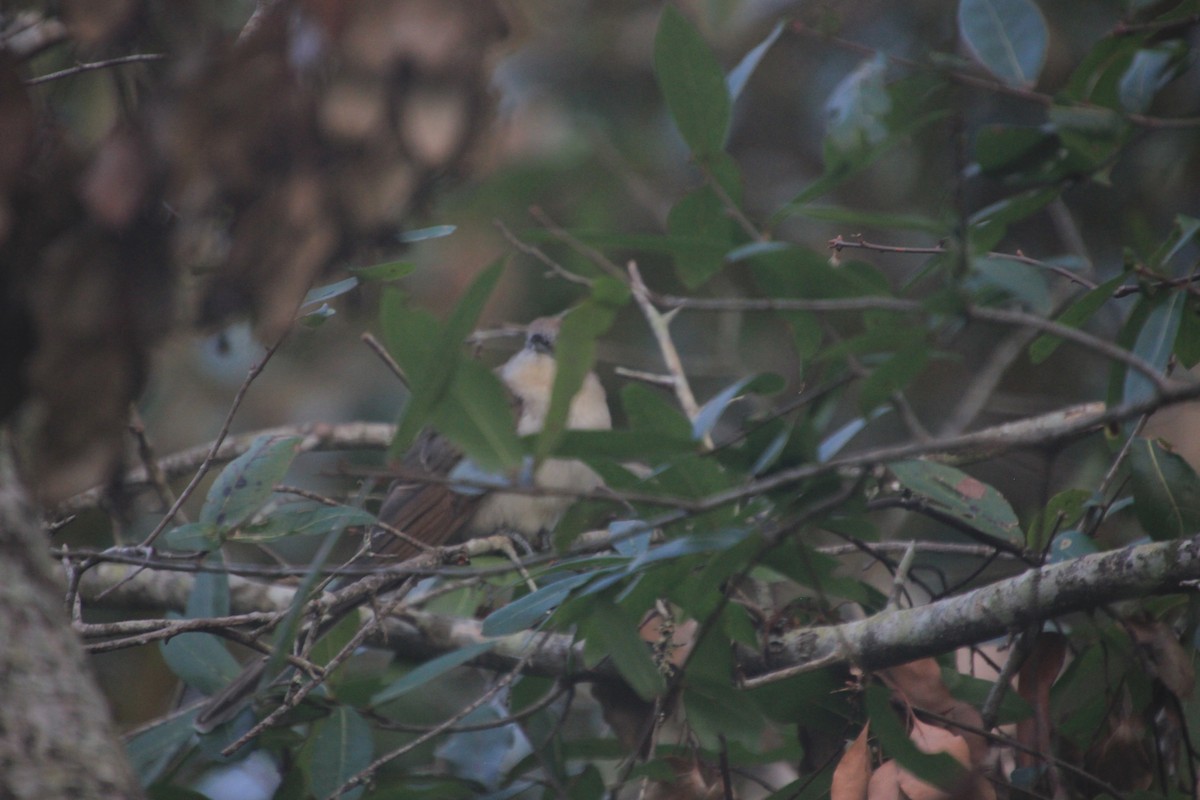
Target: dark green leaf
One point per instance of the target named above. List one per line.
(1155, 342)
(210, 593)
(341, 747)
(1016, 207)
(247, 482)
(152, 751)
(430, 670)
(1022, 282)
(1008, 37)
(1166, 491)
(689, 545)
(716, 709)
(615, 631)
(193, 536)
(328, 292)
(529, 610)
(857, 112)
(387, 271)
(736, 80)
(1003, 149)
(422, 234)
(692, 83)
(940, 769)
(201, 661)
(622, 445)
(1063, 511)
(973, 502)
(701, 220)
(439, 365)
(1075, 316)
(975, 691)
(648, 411)
(304, 518)
(475, 414)
(893, 375)
(1187, 341)
(1098, 75)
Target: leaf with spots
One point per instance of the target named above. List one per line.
(958, 494)
(247, 482)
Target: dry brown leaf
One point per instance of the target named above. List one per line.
(1172, 663)
(1035, 678)
(932, 739)
(852, 775)
(920, 684)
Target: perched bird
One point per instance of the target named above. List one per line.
(432, 513)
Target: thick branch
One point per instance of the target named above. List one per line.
(1035, 596)
(886, 639)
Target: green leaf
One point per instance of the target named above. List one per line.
(1183, 231)
(692, 83)
(940, 769)
(1015, 208)
(152, 751)
(1187, 341)
(735, 82)
(615, 631)
(1063, 511)
(1155, 342)
(893, 375)
(1149, 71)
(476, 415)
(303, 518)
(323, 293)
(649, 411)
(1075, 316)
(957, 493)
(438, 365)
(1097, 77)
(387, 271)
(575, 353)
(1166, 491)
(194, 536)
(201, 661)
(1008, 37)
(423, 234)
(622, 445)
(716, 709)
(1069, 545)
(712, 410)
(1022, 282)
(247, 482)
(210, 593)
(700, 219)
(1002, 149)
(434, 668)
(529, 610)
(857, 111)
(341, 746)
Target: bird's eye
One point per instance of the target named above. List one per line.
(541, 343)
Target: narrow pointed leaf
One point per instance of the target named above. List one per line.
(692, 83)
(740, 75)
(1154, 343)
(430, 670)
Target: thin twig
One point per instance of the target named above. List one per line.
(158, 479)
(660, 326)
(216, 445)
(536, 252)
(136, 58)
(587, 251)
(378, 349)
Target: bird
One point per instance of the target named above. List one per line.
(431, 513)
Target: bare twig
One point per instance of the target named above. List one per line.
(536, 252)
(378, 349)
(660, 326)
(135, 58)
